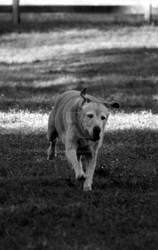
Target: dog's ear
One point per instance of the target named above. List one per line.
(83, 95)
(114, 105)
(83, 92)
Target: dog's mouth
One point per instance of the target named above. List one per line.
(96, 138)
(96, 133)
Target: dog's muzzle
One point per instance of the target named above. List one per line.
(96, 133)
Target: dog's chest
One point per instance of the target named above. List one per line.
(83, 149)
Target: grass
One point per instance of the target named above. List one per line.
(43, 207)
(28, 123)
(36, 66)
(41, 204)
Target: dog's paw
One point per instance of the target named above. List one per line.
(81, 178)
(80, 175)
(51, 157)
(87, 188)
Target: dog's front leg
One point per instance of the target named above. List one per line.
(90, 165)
(72, 157)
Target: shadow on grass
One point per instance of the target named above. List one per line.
(43, 206)
(125, 154)
(46, 22)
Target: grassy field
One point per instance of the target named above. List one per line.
(41, 204)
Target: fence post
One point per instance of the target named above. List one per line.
(16, 13)
(148, 12)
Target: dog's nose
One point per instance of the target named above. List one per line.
(96, 133)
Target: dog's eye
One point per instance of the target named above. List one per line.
(90, 116)
(102, 117)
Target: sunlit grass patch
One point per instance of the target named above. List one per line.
(141, 120)
(26, 122)
(21, 121)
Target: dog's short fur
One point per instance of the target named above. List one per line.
(79, 121)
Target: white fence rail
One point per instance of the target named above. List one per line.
(144, 7)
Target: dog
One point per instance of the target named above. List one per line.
(79, 121)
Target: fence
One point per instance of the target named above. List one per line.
(16, 7)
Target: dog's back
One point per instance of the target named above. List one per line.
(64, 109)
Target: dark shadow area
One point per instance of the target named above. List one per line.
(45, 22)
(128, 153)
(43, 206)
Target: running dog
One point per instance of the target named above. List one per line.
(79, 121)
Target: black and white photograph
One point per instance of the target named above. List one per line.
(78, 124)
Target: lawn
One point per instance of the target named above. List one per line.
(42, 206)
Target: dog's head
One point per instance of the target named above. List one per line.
(94, 115)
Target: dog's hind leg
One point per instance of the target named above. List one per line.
(90, 165)
(81, 173)
(52, 137)
(51, 152)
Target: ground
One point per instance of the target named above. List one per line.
(42, 206)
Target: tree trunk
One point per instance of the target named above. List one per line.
(16, 13)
